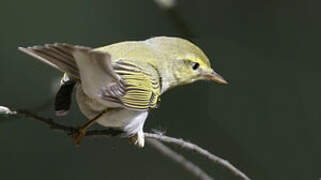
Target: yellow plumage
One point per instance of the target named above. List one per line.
(142, 81)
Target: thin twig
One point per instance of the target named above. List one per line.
(201, 151)
(50, 122)
(188, 165)
(69, 130)
(112, 132)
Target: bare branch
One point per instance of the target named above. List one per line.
(6, 111)
(188, 165)
(69, 130)
(149, 136)
(201, 151)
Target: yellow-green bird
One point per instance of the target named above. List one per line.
(116, 85)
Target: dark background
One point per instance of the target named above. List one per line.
(266, 121)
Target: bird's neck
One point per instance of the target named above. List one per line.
(168, 80)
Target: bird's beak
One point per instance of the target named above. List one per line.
(216, 78)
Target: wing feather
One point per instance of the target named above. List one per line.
(93, 68)
(142, 84)
(131, 84)
(58, 55)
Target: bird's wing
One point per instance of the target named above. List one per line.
(142, 83)
(93, 68)
(125, 83)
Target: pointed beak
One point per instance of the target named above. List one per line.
(216, 78)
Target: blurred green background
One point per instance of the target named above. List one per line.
(266, 121)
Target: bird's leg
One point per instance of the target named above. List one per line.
(77, 137)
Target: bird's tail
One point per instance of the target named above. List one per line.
(57, 55)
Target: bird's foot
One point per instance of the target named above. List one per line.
(138, 139)
(77, 136)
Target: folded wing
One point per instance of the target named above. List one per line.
(142, 84)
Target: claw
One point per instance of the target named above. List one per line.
(77, 137)
(132, 139)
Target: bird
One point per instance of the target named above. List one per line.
(117, 85)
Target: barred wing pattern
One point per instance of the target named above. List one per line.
(142, 84)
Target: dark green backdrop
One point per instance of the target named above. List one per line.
(266, 121)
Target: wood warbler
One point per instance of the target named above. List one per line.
(117, 84)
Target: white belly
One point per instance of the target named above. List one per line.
(130, 121)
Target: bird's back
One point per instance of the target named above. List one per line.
(132, 50)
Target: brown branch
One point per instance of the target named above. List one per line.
(149, 136)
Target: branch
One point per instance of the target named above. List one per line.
(149, 136)
(199, 150)
(198, 172)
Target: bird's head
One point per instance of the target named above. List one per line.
(186, 61)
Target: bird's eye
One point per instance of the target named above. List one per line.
(195, 65)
